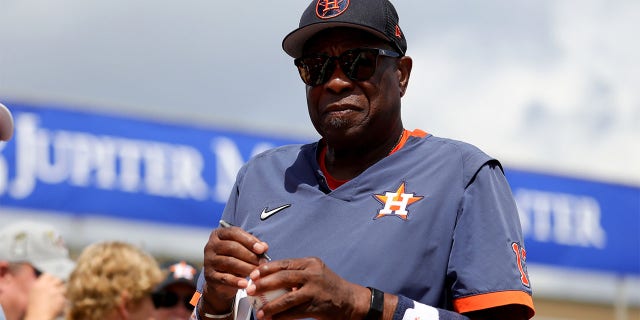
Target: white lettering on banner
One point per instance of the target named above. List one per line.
(564, 219)
(229, 162)
(104, 162)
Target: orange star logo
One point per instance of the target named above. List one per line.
(396, 203)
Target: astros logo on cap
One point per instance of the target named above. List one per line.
(183, 270)
(326, 9)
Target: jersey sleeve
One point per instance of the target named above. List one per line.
(408, 309)
(487, 262)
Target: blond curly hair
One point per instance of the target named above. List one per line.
(104, 272)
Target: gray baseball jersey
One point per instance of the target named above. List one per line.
(435, 221)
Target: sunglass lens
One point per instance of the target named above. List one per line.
(357, 64)
(315, 70)
(164, 299)
(360, 63)
(157, 300)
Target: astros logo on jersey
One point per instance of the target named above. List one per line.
(396, 203)
(521, 258)
(326, 9)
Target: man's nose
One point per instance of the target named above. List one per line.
(338, 81)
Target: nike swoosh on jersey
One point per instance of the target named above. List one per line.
(266, 213)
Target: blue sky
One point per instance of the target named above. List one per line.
(545, 85)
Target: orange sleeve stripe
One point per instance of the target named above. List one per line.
(195, 298)
(494, 299)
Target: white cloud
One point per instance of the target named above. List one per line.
(571, 109)
(545, 84)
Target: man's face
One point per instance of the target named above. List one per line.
(16, 281)
(142, 310)
(350, 112)
(178, 311)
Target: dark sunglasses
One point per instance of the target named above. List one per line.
(357, 64)
(167, 299)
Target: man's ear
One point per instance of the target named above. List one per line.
(123, 303)
(405, 64)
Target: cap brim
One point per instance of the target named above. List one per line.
(169, 282)
(294, 42)
(59, 268)
(6, 123)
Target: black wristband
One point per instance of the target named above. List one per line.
(376, 306)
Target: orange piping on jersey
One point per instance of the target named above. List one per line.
(418, 133)
(195, 298)
(332, 182)
(494, 299)
(405, 136)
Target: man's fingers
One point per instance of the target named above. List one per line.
(287, 264)
(292, 305)
(229, 279)
(289, 274)
(247, 240)
(285, 279)
(237, 250)
(228, 271)
(231, 248)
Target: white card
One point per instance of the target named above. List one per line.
(243, 306)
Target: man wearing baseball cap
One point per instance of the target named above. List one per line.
(34, 264)
(171, 297)
(373, 221)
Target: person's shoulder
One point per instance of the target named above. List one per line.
(277, 159)
(466, 156)
(461, 147)
(281, 156)
(283, 152)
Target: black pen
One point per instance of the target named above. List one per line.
(225, 224)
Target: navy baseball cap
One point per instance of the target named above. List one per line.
(178, 272)
(377, 17)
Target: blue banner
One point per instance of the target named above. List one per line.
(578, 223)
(82, 163)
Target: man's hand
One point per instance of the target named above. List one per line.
(229, 256)
(46, 298)
(316, 291)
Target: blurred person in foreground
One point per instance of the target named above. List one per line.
(373, 221)
(113, 281)
(6, 131)
(34, 264)
(171, 298)
(6, 123)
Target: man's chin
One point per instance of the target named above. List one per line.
(338, 123)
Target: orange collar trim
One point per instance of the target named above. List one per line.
(332, 182)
